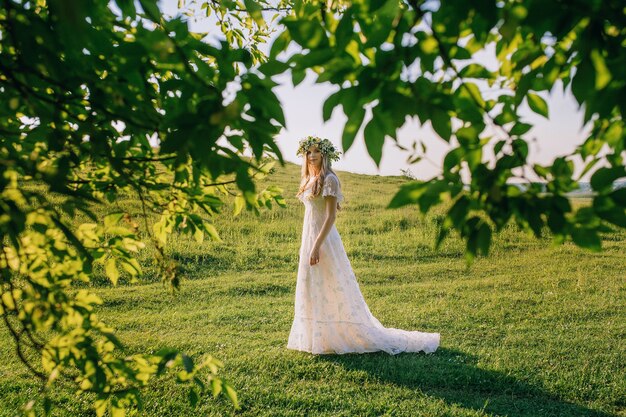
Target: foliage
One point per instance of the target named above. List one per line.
(242, 23)
(100, 100)
(413, 59)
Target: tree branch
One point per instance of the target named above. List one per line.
(18, 347)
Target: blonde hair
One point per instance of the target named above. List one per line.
(305, 176)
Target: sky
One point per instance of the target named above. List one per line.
(559, 135)
(550, 138)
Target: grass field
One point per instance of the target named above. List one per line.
(532, 330)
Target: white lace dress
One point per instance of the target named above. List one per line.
(331, 315)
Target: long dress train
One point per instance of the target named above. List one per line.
(331, 315)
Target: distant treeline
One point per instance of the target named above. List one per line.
(583, 187)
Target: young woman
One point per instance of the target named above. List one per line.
(331, 315)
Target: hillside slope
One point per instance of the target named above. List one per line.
(532, 330)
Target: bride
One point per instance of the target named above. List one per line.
(331, 315)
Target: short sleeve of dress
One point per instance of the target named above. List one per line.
(332, 188)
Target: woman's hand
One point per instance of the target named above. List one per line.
(315, 255)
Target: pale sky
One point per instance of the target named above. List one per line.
(303, 113)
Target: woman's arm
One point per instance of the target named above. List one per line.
(331, 214)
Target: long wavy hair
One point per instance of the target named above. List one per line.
(318, 184)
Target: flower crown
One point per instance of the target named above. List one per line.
(325, 146)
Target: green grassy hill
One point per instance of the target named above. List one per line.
(532, 330)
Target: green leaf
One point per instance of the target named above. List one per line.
(483, 238)
(458, 211)
(408, 194)
(127, 7)
(112, 219)
(273, 67)
(603, 178)
(308, 33)
(474, 158)
(476, 71)
(374, 134)
(619, 196)
(7, 299)
(603, 75)
(255, 9)
(535, 222)
(588, 167)
(216, 386)
(280, 44)
(520, 129)
(583, 84)
(498, 146)
(351, 128)
(432, 195)
(329, 105)
(470, 232)
(232, 395)
(117, 411)
(193, 396)
(472, 92)
(151, 8)
(198, 233)
(160, 230)
(615, 136)
(111, 270)
(47, 405)
(212, 231)
(542, 171)
(119, 231)
(614, 215)
(537, 104)
(245, 184)
(428, 44)
(240, 202)
(586, 238)
(468, 137)
(297, 76)
(458, 52)
(266, 100)
(100, 406)
(113, 339)
(452, 159)
(442, 233)
(344, 31)
(441, 123)
(314, 58)
(556, 221)
(350, 100)
(520, 150)
(187, 363)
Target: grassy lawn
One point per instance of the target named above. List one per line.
(532, 330)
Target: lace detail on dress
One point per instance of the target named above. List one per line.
(332, 188)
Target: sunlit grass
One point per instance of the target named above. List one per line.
(532, 330)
